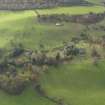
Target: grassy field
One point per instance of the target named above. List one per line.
(29, 97)
(79, 83)
(73, 10)
(96, 2)
(27, 30)
(23, 27)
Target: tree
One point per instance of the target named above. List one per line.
(95, 53)
(17, 50)
(96, 56)
(58, 56)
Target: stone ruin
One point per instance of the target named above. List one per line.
(90, 18)
(32, 4)
(25, 4)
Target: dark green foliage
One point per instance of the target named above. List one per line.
(13, 85)
(72, 50)
(58, 56)
(17, 50)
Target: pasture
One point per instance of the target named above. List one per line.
(78, 83)
(23, 27)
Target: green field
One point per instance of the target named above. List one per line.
(73, 10)
(26, 29)
(96, 2)
(29, 97)
(79, 83)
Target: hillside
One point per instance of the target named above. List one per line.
(62, 62)
(36, 32)
(77, 84)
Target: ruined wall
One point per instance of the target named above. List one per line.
(30, 4)
(26, 4)
(90, 18)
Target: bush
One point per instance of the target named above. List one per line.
(13, 85)
(17, 50)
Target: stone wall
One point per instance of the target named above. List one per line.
(90, 18)
(30, 4)
(26, 4)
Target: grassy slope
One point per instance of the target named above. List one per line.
(96, 2)
(26, 29)
(80, 84)
(29, 97)
(77, 84)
